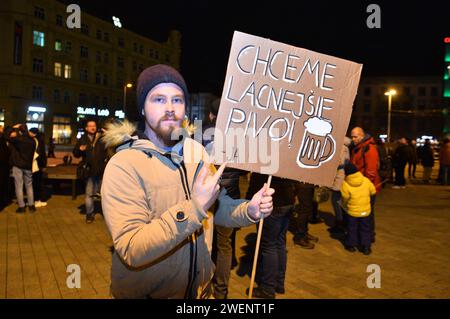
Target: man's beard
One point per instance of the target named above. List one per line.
(165, 134)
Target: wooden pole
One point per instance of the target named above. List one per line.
(258, 242)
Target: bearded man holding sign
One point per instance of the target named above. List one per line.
(156, 193)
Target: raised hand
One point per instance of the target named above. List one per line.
(261, 204)
(206, 187)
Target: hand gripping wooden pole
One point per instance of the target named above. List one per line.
(258, 241)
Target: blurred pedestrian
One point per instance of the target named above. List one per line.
(412, 162)
(444, 161)
(38, 176)
(402, 156)
(357, 193)
(23, 148)
(4, 169)
(426, 156)
(51, 147)
(91, 148)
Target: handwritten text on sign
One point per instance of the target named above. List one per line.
(300, 99)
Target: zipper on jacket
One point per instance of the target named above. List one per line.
(193, 238)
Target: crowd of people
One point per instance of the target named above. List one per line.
(158, 203)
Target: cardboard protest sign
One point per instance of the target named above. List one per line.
(284, 110)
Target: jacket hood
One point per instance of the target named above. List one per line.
(355, 179)
(124, 135)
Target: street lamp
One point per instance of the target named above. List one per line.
(389, 94)
(128, 85)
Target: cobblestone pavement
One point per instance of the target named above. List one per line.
(412, 249)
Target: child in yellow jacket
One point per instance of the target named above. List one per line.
(357, 192)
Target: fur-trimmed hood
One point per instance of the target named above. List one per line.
(121, 135)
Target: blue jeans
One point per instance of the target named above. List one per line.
(273, 249)
(22, 176)
(92, 187)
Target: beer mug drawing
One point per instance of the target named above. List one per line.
(317, 146)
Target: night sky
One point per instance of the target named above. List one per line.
(410, 41)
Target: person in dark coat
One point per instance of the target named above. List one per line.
(91, 148)
(401, 157)
(412, 163)
(426, 157)
(23, 148)
(272, 269)
(51, 147)
(38, 182)
(5, 167)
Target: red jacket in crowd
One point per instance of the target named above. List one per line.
(365, 157)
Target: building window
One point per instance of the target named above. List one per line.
(434, 91)
(38, 38)
(134, 66)
(135, 47)
(167, 58)
(421, 104)
(38, 65)
(367, 91)
(67, 71)
(59, 20)
(152, 53)
(58, 69)
(35, 117)
(56, 96)
(99, 34)
(98, 57)
(156, 54)
(106, 58)
(39, 13)
(422, 91)
(66, 97)
(61, 129)
(36, 93)
(68, 47)
(97, 78)
(121, 42)
(84, 75)
(82, 99)
(2, 117)
(367, 107)
(106, 37)
(85, 29)
(120, 62)
(58, 45)
(141, 49)
(407, 91)
(105, 79)
(84, 52)
(141, 67)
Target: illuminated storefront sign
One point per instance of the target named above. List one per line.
(92, 111)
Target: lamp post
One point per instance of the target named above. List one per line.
(389, 94)
(128, 85)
